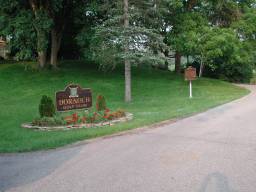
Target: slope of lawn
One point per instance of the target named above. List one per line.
(157, 96)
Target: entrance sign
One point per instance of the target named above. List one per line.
(190, 75)
(73, 97)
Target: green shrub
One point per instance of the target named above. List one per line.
(49, 121)
(233, 72)
(253, 80)
(100, 103)
(236, 72)
(46, 107)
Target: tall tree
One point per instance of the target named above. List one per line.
(221, 12)
(40, 21)
(60, 11)
(127, 63)
(27, 25)
(123, 37)
(42, 25)
(178, 13)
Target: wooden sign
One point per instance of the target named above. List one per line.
(190, 73)
(73, 97)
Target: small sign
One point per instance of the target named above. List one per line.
(190, 74)
(73, 97)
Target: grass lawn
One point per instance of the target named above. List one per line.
(157, 96)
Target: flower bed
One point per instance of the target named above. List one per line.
(70, 126)
(101, 116)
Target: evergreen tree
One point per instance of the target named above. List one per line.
(124, 37)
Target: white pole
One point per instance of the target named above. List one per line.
(190, 89)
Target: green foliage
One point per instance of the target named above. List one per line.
(112, 42)
(100, 103)
(42, 24)
(253, 80)
(188, 31)
(27, 24)
(27, 31)
(193, 28)
(227, 56)
(219, 34)
(221, 41)
(221, 13)
(48, 121)
(90, 116)
(20, 33)
(246, 31)
(235, 72)
(46, 107)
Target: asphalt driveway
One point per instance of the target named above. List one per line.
(214, 151)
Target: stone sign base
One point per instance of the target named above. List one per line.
(127, 117)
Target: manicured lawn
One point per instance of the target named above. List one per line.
(157, 96)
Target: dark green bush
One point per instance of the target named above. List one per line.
(239, 72)
(46, 107)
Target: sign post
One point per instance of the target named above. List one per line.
(190, 89)
(190, 75)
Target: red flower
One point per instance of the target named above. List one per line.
(83, 119)
(75, 117)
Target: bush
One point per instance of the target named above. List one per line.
(46, 107)
(48, 121)
(225, 70)
(237, 72)
(100, 103)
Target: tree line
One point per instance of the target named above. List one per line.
(219, 35)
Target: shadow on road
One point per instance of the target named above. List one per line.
(20, 169)
(215, 182)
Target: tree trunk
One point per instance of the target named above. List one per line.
(41, 48)
(166, 64)
(41, 35)
(55, 47)
(127, 63)
(128, 97)
(41, 59)
(201, 68)
(177, 62)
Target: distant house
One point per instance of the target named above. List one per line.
(3, 49)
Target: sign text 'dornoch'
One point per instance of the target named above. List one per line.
(73, 97)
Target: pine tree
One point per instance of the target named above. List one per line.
(125, 37)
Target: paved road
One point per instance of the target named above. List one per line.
(211, 152)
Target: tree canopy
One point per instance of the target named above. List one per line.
(219, 36)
